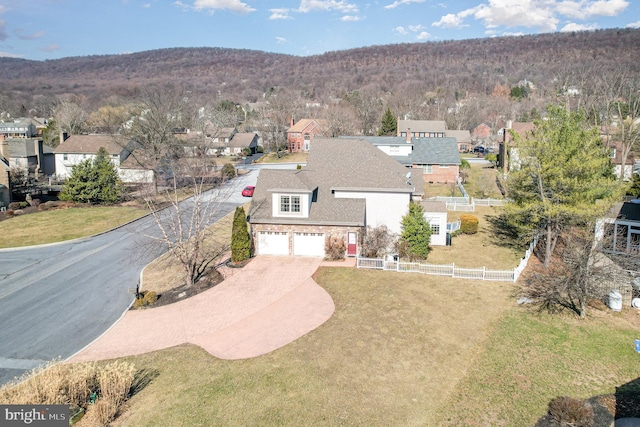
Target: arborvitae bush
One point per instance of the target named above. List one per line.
(468, 224)
(240, 238)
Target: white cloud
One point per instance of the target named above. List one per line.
(401, 30)
(401, 2)
(281, 40)
(416, 28)
(585, 9)
(327, 6)
(279, 14)
(449, 21)
(10, 55)
(232, 5)
(423, 36)
(634, 25)
(572, 26)
(147, 5)
(351, 18)
(517, 13)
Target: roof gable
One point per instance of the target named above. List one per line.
(89, 144)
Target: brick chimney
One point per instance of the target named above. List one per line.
(4, 148)
(408, 135)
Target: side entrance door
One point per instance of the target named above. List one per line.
(352, 245)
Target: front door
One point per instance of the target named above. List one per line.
(352, 246)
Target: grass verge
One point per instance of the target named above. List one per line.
(63, 224)
(286, 158)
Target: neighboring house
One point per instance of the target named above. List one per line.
(131, 172)
(621, 228)
(507, 157)
(32, 155)
(422, 128)
(300, 134)
(616, 161)
(78, 148)
(438, 158)
(18, 128)
(346, 185)
(241, 141)
(463, 139)
(5, 189)
(482, 131)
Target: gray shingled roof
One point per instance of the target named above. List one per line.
(434, 151)
(242, 139)
(422, 125)
(22, 147)
(333, 164)
(426, 151)
(88, 144)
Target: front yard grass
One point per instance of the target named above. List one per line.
(63, 224)
(400, 349)
(286, 158)
(393, 351)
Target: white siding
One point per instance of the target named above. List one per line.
(381, 208)
(396, 150)
(439, 218)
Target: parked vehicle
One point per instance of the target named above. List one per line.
(248, 191)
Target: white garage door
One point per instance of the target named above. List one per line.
(273, 243)
(308, 244)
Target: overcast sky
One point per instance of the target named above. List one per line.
(50, 29)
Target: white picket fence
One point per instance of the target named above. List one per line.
(449, 270)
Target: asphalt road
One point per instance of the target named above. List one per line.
(56, 299)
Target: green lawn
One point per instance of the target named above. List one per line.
(400, 349)
(63, 224)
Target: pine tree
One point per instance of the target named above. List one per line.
(388, 125)
(93, 181)
(240, 239)
(564, 178)
(416, 234)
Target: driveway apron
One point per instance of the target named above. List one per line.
(267, 304)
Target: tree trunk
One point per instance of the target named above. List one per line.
(547, 252)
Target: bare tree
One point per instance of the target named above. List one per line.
(186, 225)
(579, 273)
(159, 115)
(69, 117)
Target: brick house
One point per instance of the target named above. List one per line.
(346, 185)
(463, 139)
(482, 131)
(300, 134)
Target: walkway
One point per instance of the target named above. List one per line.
(269, 303)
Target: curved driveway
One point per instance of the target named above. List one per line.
(55, 299)
(267, 304)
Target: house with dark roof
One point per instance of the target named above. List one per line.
(19, 128)
(346, 185)
(434, 129)
(438, 158)
(242, 141)
(32, 155)
(301, 133)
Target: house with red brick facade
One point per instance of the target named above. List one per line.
(300, 134)
(346, 185)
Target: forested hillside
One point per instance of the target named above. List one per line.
(417, 79)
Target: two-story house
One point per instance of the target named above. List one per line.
(78, 148)
(346, 185)
(434, 129)
(18, 128)
(300, 134)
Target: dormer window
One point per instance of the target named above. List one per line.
(289, 204)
